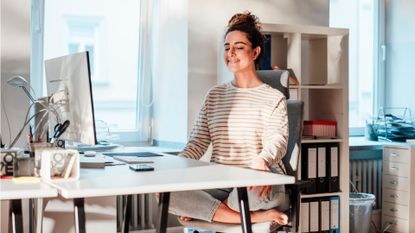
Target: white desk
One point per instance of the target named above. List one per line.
(15, 192)
(171, 174)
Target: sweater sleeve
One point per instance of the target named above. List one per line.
(200, 136)
(275, 137)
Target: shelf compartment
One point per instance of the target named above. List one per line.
(328, 140)
(321, 195)
(329, 86)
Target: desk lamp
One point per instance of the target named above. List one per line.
(19, 81)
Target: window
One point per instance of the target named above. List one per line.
(362, 18)
(110, 31)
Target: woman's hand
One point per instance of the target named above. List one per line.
(260, 164)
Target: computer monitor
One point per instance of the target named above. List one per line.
(70, 93)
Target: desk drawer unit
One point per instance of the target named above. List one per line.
(397, 155)
(395, 196)
(397, 224)
(396, 182)
(398, 199)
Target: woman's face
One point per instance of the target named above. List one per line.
(239, 54)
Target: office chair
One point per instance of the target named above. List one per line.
(277, 79)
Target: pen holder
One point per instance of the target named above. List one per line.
(59, 164)
(24, 166)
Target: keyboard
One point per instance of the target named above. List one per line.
(132, 154)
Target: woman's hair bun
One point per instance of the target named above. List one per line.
(245, 18)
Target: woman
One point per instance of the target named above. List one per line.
(246, 122)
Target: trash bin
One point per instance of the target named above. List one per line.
(360, 211)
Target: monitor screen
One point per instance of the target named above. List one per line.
(70, 93)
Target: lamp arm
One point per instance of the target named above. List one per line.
(28, 94)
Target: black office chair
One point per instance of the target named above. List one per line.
(277, 79)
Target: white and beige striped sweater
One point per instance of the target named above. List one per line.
(241, 124)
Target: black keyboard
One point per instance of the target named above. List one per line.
(132, 153)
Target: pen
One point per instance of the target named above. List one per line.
(30, 137)
(30, 134)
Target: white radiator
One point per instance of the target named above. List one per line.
(366, 177)
(141, 212)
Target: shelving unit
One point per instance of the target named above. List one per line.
(318, 57)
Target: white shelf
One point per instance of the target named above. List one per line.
(328, 86)
(321, 195)
(321, 140)
(317, 31)
(318, 56)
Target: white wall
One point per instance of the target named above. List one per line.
(400, 44)
(207, 22)
(15, 60)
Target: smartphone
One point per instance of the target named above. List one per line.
(141, 167)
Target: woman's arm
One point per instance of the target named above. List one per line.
(199, 138)
(275, 137)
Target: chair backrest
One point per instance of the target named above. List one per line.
(278, 79)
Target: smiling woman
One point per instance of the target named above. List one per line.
(246, 122)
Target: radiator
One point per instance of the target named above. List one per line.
(366, 177)
(141, 212)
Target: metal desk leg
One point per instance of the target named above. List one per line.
(79, 211)
(163, 212)
(126, 211)
(244, 210)
(15, 216)
(38, 208)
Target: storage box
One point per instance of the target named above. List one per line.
(59, 164)
(318, 128)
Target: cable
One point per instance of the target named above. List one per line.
(24, 125)
(39, 123)
(44, 106)
(27, 121)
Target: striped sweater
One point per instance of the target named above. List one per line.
(241, 124)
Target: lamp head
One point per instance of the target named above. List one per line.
(17, 81)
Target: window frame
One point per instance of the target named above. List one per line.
(378, 87)
(137, 137)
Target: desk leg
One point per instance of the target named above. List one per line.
(244, 210)
(163, 212)
(15, 216)
(36, 215)
(38, 206)
(126, 211)
(79, 211)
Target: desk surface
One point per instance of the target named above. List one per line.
(361, 143)
(10, 190)
(171, 174)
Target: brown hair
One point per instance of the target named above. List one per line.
(249, 24)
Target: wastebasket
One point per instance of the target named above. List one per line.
(360, 211)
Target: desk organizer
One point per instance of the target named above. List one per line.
(59, 164)
(7, 158)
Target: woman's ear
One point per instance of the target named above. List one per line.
(257, 51)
